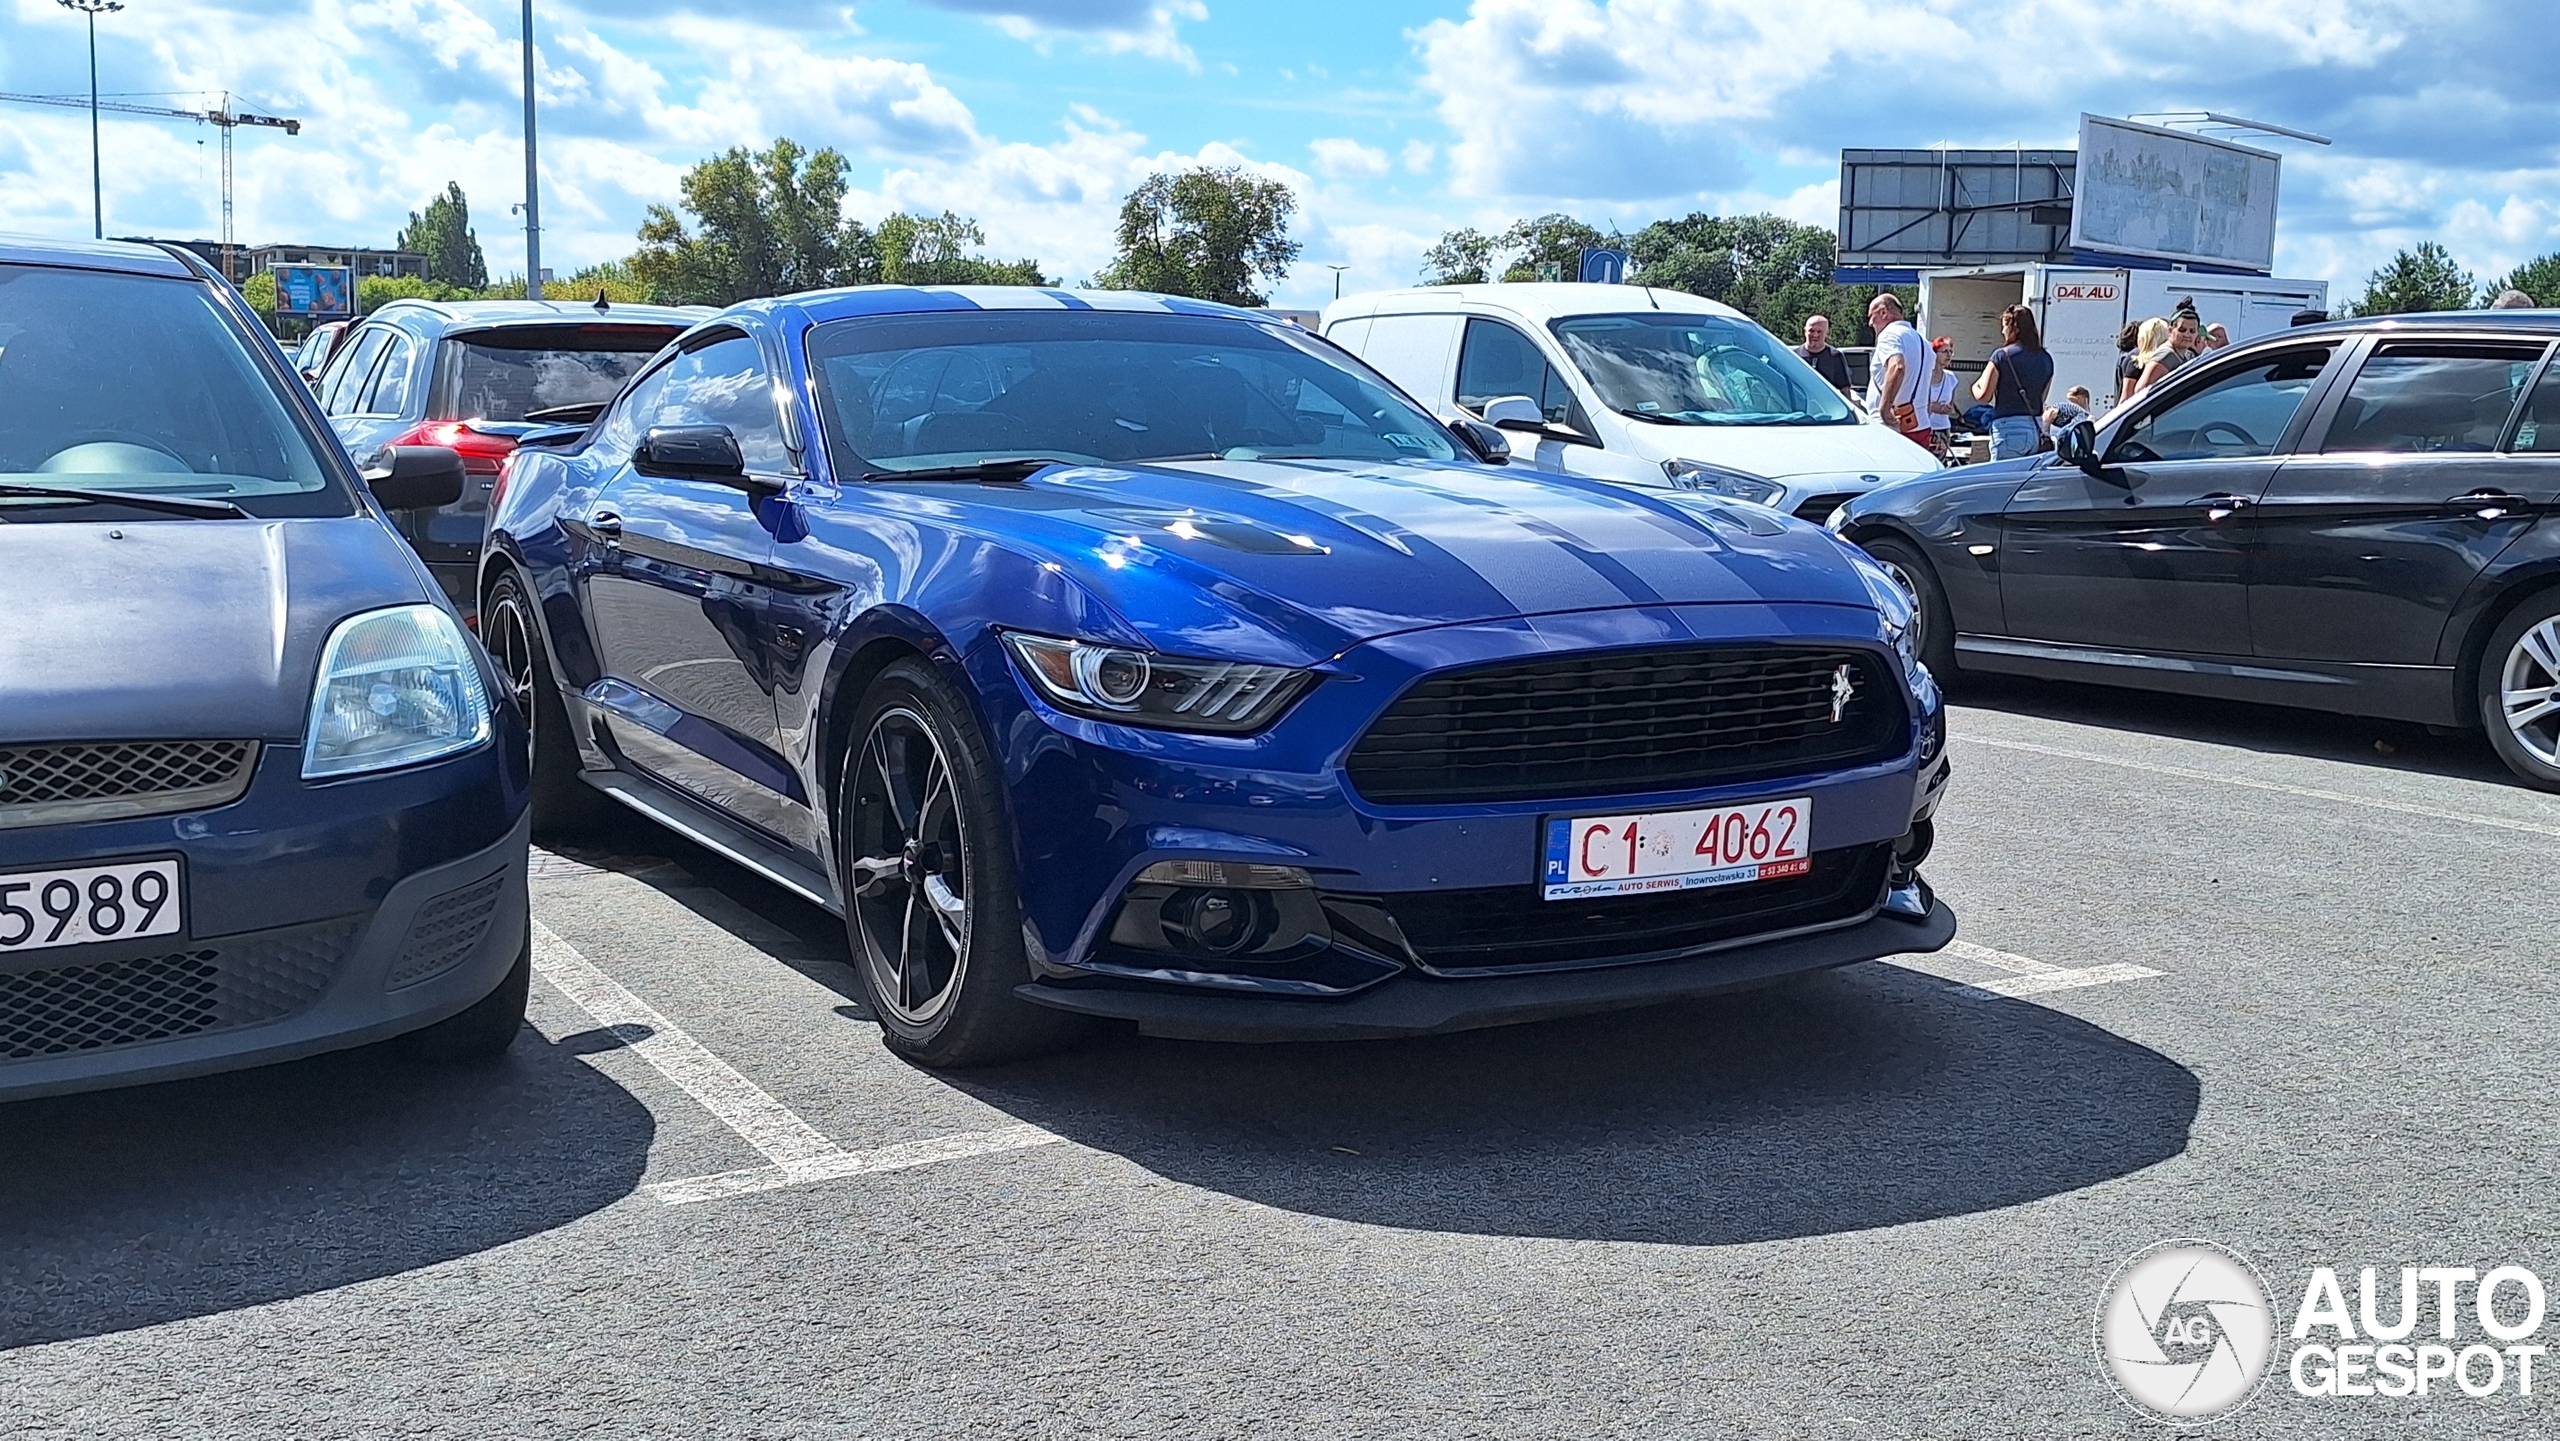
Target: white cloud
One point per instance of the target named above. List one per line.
(1417, 156)
(1348, 158)
(1146, 27)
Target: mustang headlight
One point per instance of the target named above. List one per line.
(1895, 608)
(396, 687)
(1721, 480)
(1136, 687)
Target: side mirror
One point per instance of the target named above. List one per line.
(691, 452)
(2077, 444)
(1514, 412)
(414, 477)
(1487, 443)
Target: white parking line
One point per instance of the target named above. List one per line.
(2026, 976)
(799, 1152)
(2313, 792)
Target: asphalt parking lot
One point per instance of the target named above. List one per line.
(2271, 979)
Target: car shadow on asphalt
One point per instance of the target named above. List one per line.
(1841, 1102)
(2275, 730)
(129, 1208)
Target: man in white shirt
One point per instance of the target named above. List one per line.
(1898, 388)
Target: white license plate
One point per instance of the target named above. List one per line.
(83, 905)
(1677, 850)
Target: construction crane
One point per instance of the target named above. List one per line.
(221, 116)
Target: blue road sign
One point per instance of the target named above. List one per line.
(1602, 265)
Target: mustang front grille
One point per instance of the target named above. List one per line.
(1629, 722)
(65, 781)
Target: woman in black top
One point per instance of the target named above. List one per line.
(2128, 360)
(2014, 383)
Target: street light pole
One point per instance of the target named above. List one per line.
(532, 174)
(1337, 279)
(97, 187)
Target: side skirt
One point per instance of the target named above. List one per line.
(2420, 693)
(721, 836)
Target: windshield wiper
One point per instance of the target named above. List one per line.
(1655, 416)
(1009, 467)
(193, 507)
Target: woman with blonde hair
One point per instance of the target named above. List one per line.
(2153, 338)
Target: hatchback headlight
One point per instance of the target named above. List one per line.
(1136, 687)
(1721, 480)
(396, 687)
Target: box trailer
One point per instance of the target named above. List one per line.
(2081, 307)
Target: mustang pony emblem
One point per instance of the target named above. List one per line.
(1844, 687)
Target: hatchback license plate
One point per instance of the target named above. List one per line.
(83, 905)
(1677, 850)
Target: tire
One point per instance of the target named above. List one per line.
(2522, 660)
(1937, 625)
(564, 807)
(920, 803)
(487, 1029)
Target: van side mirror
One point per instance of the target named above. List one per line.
(691, 452)
(414, 477)
(1486, 442)
(2078, 445)
(1514, 412)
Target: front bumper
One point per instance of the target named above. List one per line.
(1414, 1004)
(319, 917)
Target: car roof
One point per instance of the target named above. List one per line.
(128, 257)
(1531, 300)
(821, 306)
(494, 314)
(2543, 320)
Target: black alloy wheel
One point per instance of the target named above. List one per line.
(935, 920)
(2520, 690)
(564, 807)
(1933, 629)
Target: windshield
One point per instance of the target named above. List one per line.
(956, 388)
(507, 374)
(1698, 370)
(141, 384)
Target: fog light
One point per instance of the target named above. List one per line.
(1227, 875)
(1219, 923)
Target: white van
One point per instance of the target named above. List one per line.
(1629, 384)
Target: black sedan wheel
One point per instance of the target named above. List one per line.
(2520, 691)
(1933, 629)
(936, 924)
(564, 807)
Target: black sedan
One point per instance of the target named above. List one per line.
(2352, 518)
(261, 795)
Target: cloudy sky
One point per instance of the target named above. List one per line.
(1394, 119)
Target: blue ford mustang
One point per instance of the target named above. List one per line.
(1105, 655)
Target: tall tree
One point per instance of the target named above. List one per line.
(764, 224)
(2537, 278)
(442, 233)
(1770, 268)
(2422, 279)
(936, 250)
(1212, 234)
(1468, 257)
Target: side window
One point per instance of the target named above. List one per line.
(624, 427)
(2431, 397)
(725, 383)
(348, 373)
(390, 393)
(2238, 414)
(2539, 432)
(1497, 360)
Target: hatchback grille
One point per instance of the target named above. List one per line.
(1623, 723)
(215, 986)
(1509, 928)
(59, 782)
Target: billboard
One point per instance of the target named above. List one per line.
(1901, 210)
(2168, 195)
(315, 292)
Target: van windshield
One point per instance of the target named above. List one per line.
(1676, 369)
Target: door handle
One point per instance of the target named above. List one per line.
(607, 526)
(2489, 504)
(2225, 506)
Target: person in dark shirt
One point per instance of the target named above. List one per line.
(1825, 358)
(2014, 384)
(2128, 360)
